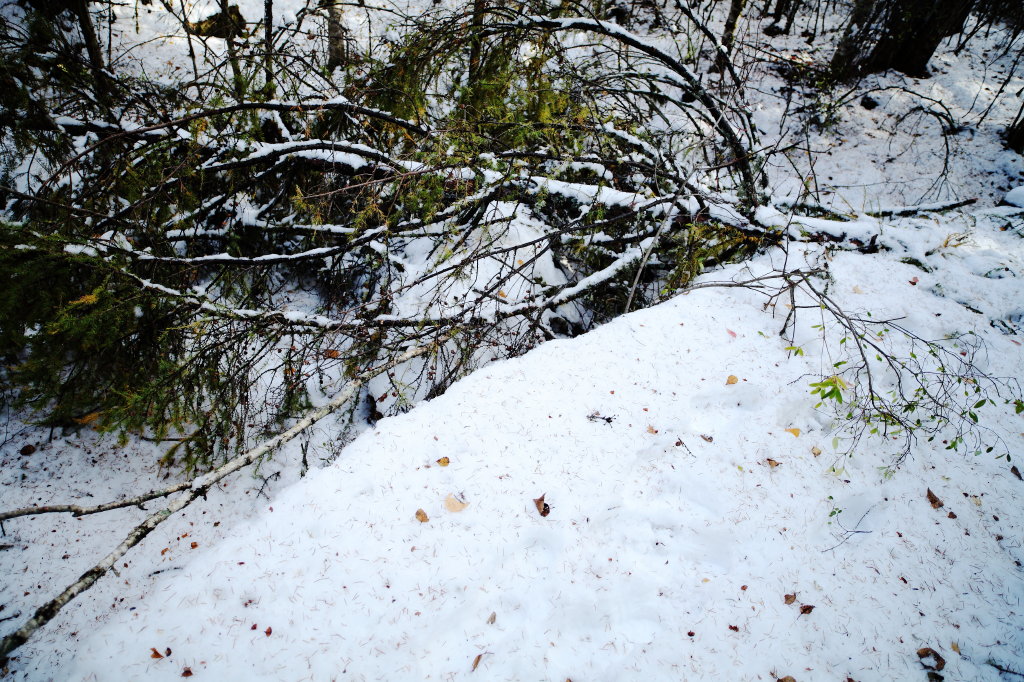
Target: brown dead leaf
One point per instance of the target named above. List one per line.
(454, 504)
(502, 294)
(933, 499)
(795, 431)
(731, 379)
(491, 618)
(27, 450)
(789, 599)
(269, 631)
(805, 609)
(155, 654)
(937, 662)
(734, 628)
(951, 515)
(332, 354)
(91, 417)
(787, 678)
(165, 550)
(187, 672)
(543, 508)
(1013, 470)
(254, 626)
(955, 647)
(707, 439)
(772, 463)
(194, 545)
(444, 461)
(651, 429)
(815, 451)
(476, 662)
(421, 516)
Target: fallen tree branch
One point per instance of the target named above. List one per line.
(195, 489)
(78, 510)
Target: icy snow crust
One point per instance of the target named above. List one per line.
(671, 540)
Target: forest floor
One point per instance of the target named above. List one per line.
(658, 499)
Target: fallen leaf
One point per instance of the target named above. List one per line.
(951, 515)
(194, 545)
(731, 379)
(787, 678)
(444, 461)
(254, 626)
(165, 550)
(332, 354)
(707, 439)
(955, 647)
(734, 628)
(805, 609)
(502, 294)
(815, 451)
(795, 431)
(91, 417)
(454, 504)
(976, 500)
(935, 501)
(772, 463)
(542, 507)
(789, 598)
(937, 663)
(731, 333)
(651, 429)
(421, 516)
(268, 631)
(29, 449)
(915, 281)
(1013, 470)
(187, 672)
(167, 651)
(493, 617)
(476, 662)
(155, 654)
(857, 289)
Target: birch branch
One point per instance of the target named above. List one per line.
(196, 488)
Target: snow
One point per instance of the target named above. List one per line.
(1015, 197)
(683, 508)
(666, 517)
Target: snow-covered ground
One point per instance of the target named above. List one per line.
(683, 510)
(693, 520)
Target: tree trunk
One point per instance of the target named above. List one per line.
(92, 46)
(729, 35)
(337, 39)
(268, 48)
(1015, 133)
(897, 34)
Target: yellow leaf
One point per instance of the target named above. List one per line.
(651, 429)
(501, 293)
(421, 516)
(91, 417)
(444, 461)
(955, 647)
(815, 451)
(88, 299)
(772, 463)
(795, 431)
(454, 504)
(732, 379)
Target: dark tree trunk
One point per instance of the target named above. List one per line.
(1015, 133)
(897, 34)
